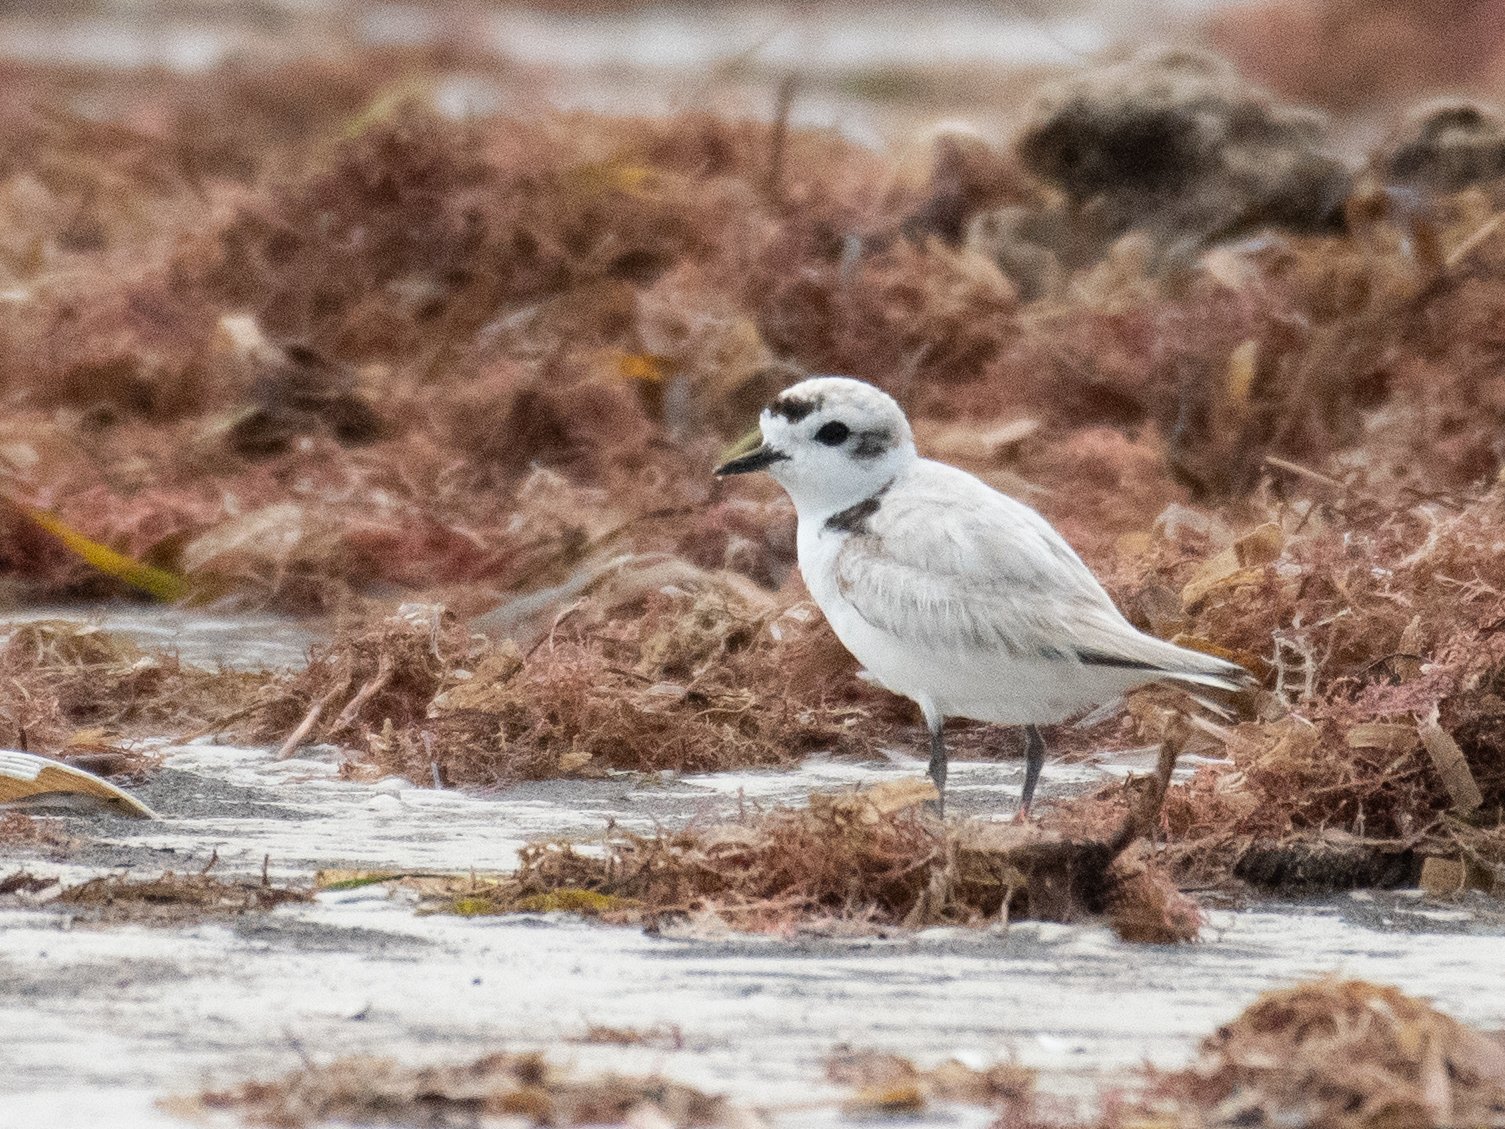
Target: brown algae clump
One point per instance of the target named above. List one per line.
(1342, 1055)
(887, 1084)
(169, 898)
(74, 692)
(868, 859)
(520, 1088)
(666, 683)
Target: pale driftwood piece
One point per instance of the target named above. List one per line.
(1451, 766)
(365, 694)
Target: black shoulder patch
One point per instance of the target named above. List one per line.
(793, 408)
(871, 444)
(854, 519)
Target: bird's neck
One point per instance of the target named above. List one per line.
(844, 510)
(819, 492)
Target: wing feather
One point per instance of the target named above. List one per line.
(951, 565)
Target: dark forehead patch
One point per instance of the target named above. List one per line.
(871, 444)
(794, 408)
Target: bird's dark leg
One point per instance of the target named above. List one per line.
(938, 760)
(1034, 761)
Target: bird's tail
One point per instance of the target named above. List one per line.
(1168, 662)
(1196, 668)
(1232, 681)
(1197, 672)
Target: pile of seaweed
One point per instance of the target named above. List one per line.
(850, 862)
(1341, 1054)
(75, 693)
(167, 899)
(522, 1088)
(17, 829)
(292, 337)
(890, 1085)
(1375, 744)
(376, 349)
(645, 677)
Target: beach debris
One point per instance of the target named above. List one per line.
(1177, 144)
(868, 859)
(1342, 1054)
(167, 899)
(668, 1036)
(966, 176)
(1446, 146)
(633, 676)
(522, 1088)
(1443, 877)
(294, 391)
(159, 583)
(888, 1083)
(171, 897)
(276, 544)
(1373, 748)
(1451, 764)
(19, 829)
(28, 888)
(81, 693)
(27, 777)
(1329, 860)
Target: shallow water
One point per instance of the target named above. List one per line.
(99, 1023)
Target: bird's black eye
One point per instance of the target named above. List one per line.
(833, 434)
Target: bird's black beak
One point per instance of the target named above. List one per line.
(759, 458)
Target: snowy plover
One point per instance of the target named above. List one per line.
(948, 592)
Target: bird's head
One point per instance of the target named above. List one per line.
(831, 442)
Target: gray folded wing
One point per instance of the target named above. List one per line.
(961, 570)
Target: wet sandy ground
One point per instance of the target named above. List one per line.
(97, 1023)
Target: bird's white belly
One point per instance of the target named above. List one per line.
(984, 685)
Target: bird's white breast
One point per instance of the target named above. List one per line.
(884, 656)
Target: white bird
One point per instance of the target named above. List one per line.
(958, 597)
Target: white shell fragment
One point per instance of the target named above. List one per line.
(24, 775)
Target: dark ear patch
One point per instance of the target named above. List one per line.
(871, 444)
(793, 408)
